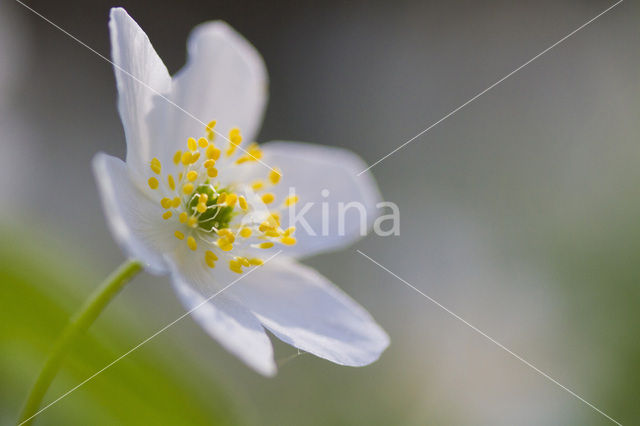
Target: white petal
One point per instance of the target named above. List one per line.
(135, 221)
(140, 76)
(309, 169)
(304, 309)
(231, 324)
(225, 79)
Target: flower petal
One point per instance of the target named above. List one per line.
(304, 309)
(309, 169)
(231, 324)
(225, 79)
(140, 76)
(134, 220)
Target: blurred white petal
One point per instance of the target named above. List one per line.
(225, 79)
(133, 55)
(231, 324)
(304, 309)
(135, 221)
(310, 169)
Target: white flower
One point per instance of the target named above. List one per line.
(193, 201)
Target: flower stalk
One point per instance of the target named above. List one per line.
(77, 325)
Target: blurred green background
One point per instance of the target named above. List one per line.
(520, 213)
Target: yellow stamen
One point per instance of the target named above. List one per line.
(209, 163)
(175, 202)
(222, 197)
(179, 235)
(177, 156)
(202, 207)
(256, 261)
(212, 152)
(243, 202)
(244, 261)
(289, 231)
(183, 217)
(192, 222)
(210, 255)
(191, 242)
(192, 175)
(192, 144)
(290, 200)
(275, 175)
(156, 166)
(153, 183)
(245, 232)
(232, 199)
(288, 240)
(203, 143)
(186, 158)
(235, 266)
(171, 182)
(268, 198)
(265, 245)
(188, 188)
(257, 185)
(195, 156)
(166, 203)
(167, 215)
(212, 172)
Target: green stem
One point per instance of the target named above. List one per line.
(77, 325)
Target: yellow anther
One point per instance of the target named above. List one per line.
(289, 231)
(256, 261)
(268, 198)
(211, 255)
(209, 163)
(243, 202)
(153, 183)
(195, 156)
(291, 200)
(209, 129)
(203, 143)
(179, 235)
(224, 245)
(177, 157)
(234, 136)
(212, 172)
(212, 152)
(274, 218)
(245, 232)
(235, 266)
(191, 242)
(266, 225)
(167, 215)
(224, 232)
(229, 237)
(166, 203)
(210, 262)
(171, 182)
(192, 175)
(192, 222)
(288, 240)
(243, 261)
(187, 188)
(175, 202)
(231, 199)
(186, 158)
(257, 185)
(275, 175)
(156, 166)
(202, 207)
(183, 217)
(271, 233)
(203, 198)
(265, 245)
(192, 144)
(222, 197)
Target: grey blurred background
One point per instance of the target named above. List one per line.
(520, 213)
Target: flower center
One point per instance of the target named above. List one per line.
(221, 220)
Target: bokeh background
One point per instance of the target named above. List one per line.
(521, 213)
